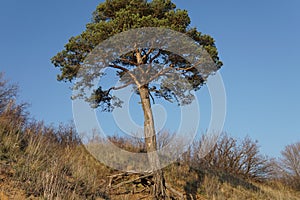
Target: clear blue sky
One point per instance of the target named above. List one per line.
(258, 42)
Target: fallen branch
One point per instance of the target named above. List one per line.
(129, 181)
(111, 177)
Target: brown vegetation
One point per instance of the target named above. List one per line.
(44, 162)
(288, 167)
(238, 158)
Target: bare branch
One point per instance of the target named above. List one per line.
(127, 71)
(151, 97)
(186, 69)
(128, 61)
(122, 86)
(148, 53)
(119, 67)
(156, 56)
(130, 181)
(166, 98)
(160, 73)
(139, 60)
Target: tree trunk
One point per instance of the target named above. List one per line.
(159, 188)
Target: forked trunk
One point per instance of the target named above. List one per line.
(159, 188)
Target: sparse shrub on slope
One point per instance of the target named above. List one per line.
(12, 120)
(288, 170)
(238, 158)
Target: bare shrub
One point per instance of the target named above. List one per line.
(8, 92)
(241, 158)
(12, 120)
(289, 165)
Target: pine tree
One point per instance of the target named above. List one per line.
(141, 66)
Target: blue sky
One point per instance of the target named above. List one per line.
(258, 42)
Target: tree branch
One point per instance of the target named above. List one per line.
(119, 67)
(161, 72)
(186, 69)
(147, 54)
(127, 71)
(122, 86)
(139, 60)
(166, 98)
(128, 61)
(154, 57)
(151, 97)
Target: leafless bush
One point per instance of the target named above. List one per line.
(289, 165)
(8, 93)
(237, 158)
(12, 120)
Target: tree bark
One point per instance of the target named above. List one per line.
(159, 188)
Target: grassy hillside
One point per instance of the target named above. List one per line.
(44, 162)
(40, 162)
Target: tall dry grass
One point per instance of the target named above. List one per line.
(48, 162)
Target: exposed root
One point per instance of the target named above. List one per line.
(129, 181)
(144, 180)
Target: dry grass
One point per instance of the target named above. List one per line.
(47, 162)
(42, 162)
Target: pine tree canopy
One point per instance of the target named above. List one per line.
(113, 17)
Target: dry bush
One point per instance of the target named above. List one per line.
(12, 120)
(8, 92)
(239, 158)
(289, 165)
